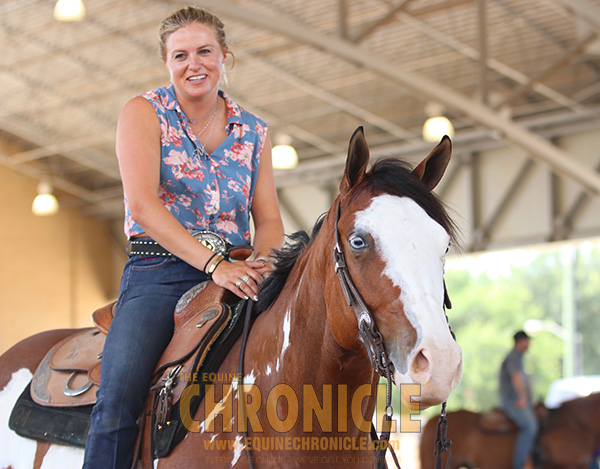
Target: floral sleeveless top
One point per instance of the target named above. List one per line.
(206, 192)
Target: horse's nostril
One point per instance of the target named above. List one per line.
(420, 362)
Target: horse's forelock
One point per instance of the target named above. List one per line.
(395, 177)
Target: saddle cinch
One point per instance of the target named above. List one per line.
(56, 407)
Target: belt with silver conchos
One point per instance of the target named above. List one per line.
(149, 247)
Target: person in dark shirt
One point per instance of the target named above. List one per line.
(515, 399)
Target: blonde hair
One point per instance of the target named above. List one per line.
(184, 17)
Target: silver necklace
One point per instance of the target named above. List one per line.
(193, 121)
(198, 152)
(210, 121)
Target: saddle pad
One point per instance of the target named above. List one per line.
(67, 426)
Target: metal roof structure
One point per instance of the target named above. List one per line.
(522, 72)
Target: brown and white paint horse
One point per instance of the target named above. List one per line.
(570, 435)
(568, 438)
(308, 382)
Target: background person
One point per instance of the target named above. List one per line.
(515, 399)
(190, 158)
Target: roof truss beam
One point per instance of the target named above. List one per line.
(587, 11)
(343, 18)
(492, 64)
(328, 97)
(538, 147)
(564, 223)
(483, 233)
(375, 25)
(92, 158)
(559, 64)
(483, 50)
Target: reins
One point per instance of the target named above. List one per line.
(442, 443)
(241, 396)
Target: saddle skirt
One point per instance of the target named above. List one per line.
(56, 407)
(69, 374)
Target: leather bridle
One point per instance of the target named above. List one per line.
(373, 342)
(371, 337)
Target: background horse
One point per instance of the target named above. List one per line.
(309, 388)
(472, 446)
(567, 440)
(571, 434)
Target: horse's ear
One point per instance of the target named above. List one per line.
(357, 162)
(432, 168)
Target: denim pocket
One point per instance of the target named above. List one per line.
(141, 263)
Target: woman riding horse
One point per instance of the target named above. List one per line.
(190, 159)
(309, 384)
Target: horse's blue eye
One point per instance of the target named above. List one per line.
(356, 242)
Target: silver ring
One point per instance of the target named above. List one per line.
(238, 284)
(245, 278)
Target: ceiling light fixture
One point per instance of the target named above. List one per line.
(45, 203)
(69, 10)
(436, 126)
(284, 154)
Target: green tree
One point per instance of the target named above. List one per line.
(488, 310)
(587, 280)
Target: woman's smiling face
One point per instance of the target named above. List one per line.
(194, 60)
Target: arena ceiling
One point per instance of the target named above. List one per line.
(522, 72)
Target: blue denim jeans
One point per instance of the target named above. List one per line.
(140, 331)
(528, 428)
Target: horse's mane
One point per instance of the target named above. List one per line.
(388, 175)
(285, 259)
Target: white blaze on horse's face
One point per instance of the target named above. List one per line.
(413, 248)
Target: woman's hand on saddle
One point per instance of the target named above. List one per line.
(241, 278)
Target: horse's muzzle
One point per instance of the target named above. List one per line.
(437, 370)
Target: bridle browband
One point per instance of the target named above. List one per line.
(373, 342)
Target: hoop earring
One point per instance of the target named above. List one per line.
(224, 76)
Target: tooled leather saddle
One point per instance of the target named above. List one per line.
(57, 405)
(496, 421)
